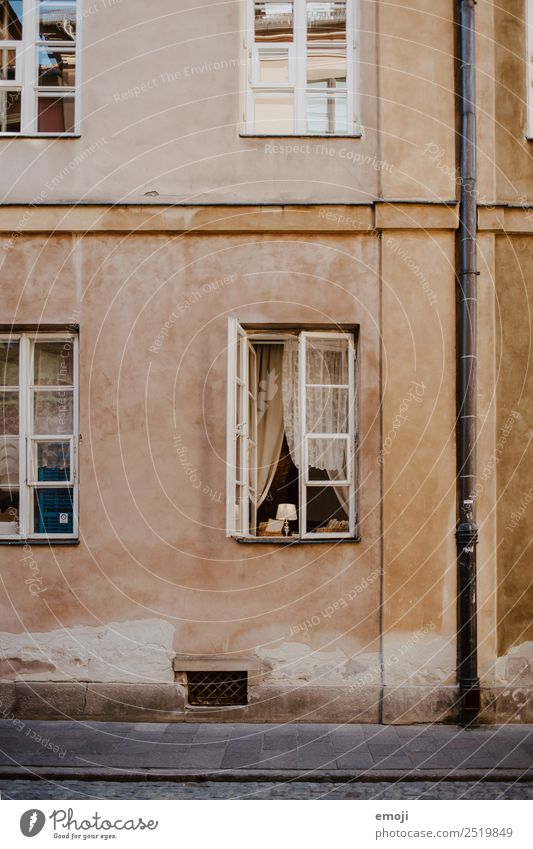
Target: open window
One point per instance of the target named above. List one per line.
(291, 434)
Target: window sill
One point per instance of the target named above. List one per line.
(40, 135)
(296, 541)
(31, 542)
(300, 136)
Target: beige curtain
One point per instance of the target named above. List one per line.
(269, 416)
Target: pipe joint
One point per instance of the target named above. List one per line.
(466, 535)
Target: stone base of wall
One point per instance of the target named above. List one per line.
(167, 703)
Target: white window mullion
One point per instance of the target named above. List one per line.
(25, 490)
(300, 62)
(29, 66)
(301, 429)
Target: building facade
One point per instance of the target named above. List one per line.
(228, 264)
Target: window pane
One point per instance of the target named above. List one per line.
(57, 21)
(53, 363)
(327, 410)
(9, 509)
(274, 112)
(55, 114)
(9, 363)
(8, 62)
(9, 461)
(327, 361)
(326, 21)
(327, 459)
(52, 412)
(10, 104)
(274, 67)
(9, 413)
(53, 513)
(57, 68)
(327, 510)
(327, 113)
(11, 20)
(273, 22)
(53, 461)
(326, 69)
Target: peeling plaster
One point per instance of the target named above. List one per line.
(132, 651)
(516, 667)
(297, 662)
(417, 659)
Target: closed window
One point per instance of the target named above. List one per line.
(301, 74)
(291, 434)
(38, 66)
(38, 437)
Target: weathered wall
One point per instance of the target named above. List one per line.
(152, 461)
(167, 89)
(514, 175)
(514, 269)
(418, 468)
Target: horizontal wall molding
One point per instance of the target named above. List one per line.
(341, 219)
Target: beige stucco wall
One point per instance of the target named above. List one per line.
(162, 106)
(152, 454)
(514, 258)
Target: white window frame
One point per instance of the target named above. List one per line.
(297, 85)
(28, 439)
(239, 346)
(529, 67)
(28, 70)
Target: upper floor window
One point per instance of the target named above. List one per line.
(38, 66)
(38, 435)
(291, 433)
(301, 73)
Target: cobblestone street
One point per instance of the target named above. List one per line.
(73, 790)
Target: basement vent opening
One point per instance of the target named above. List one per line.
(217, 689)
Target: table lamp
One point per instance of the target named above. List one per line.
(287, 512)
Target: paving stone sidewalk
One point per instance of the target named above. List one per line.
(104, 749)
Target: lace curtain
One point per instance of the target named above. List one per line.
(326, 408)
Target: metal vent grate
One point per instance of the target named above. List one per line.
(217, 688)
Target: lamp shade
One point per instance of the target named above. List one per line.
(287, 511)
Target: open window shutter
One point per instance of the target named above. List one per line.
(239, 446)
(327, 423)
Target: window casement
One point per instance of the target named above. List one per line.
(291, 434)
(38, 442)
(301, 58)
(38, 46)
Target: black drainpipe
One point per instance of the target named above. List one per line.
(466, 531)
